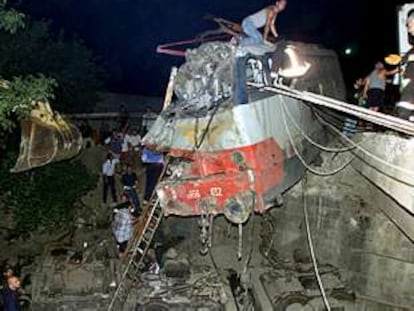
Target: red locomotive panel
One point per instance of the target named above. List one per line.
(215, 178)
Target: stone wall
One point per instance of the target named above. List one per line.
(349, 231)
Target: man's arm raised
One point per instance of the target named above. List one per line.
(269, 23)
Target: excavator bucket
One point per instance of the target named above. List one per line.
(46, 138)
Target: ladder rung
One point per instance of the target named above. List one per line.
(155, 218)
(122, 291)
(135, 264)
(150, 230)
(145, 240)
(145, 234)
(132, 273)
(152, 217)
(137, 258)
(154, 221)
(143, 245)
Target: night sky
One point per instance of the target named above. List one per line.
(124, 33)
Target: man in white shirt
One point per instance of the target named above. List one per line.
(134, 141)
(125, 147)
(266, 18)
(108, 173)
(123, 226)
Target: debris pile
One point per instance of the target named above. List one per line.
(205, 79)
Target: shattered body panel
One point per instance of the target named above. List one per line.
(228, 156)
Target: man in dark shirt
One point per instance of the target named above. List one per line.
(114, 144)
(129, 178)
(11, 295)
(154, 165)
(129, 181)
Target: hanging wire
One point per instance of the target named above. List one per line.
(319, 146)
(363, 150)
(311, 248)
(307, 166)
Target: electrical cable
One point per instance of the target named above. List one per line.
(252, 186)
(336, 118)
(363, 150)
(290, 93)
(311, 248)
(324, 148)
(307, 166)
(198, 144)
(391, 122)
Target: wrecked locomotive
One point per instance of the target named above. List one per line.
(232, 156)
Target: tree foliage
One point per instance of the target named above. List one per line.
(36, 64)
(10, 19)
(43, 197)
(36, 49)
(18, 93)
(17, 96)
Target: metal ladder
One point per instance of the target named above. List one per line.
(136, 255)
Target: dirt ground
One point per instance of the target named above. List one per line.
(91, 225)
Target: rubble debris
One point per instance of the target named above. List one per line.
(178, 267)
(203, 290)
(205, 79)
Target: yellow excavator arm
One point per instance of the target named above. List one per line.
(46, 137)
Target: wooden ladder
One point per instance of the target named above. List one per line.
(136, 254)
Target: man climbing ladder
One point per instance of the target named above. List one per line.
(138, 248)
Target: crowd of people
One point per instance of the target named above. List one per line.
(126, 160)
(128, 210)
(124, 156)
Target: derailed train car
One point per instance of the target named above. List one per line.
(234, 157)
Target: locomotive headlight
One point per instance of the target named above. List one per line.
(238, 209)
(296, 69)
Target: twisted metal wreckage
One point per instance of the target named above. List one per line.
(232, 151)
(246, 125)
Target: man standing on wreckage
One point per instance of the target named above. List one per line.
(266, 18)
(405, 107)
